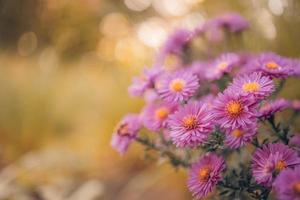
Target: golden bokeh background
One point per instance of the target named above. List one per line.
(65, 66)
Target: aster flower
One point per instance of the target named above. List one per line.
(190, 125)
(199, 68)
(254, 84)
(233, 22)
(235, 138)
(174, 44)
(205, 174)
(177, 87)
(287, 184)
(212, 28)
(155, 115)
(223, 64)
(295, 104)
(296, 67)
(295, 142)
(125, 132)
(272, 107)
(232, 110)
(270, 160)
(272, 65)
(143, 82)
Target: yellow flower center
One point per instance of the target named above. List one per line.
(204, 173)
(280, 165)
(190, 122)
(161, 113)
(177, 85)
(123, 129)
(222, 65)
(237, 133)
(272, 65)
(296, 187)
(251, 87)
(234, 108)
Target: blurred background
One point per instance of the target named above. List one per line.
(65, 66)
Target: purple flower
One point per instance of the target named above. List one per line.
(235, 138)
(199, 68)
(174, 45)
(295, 142)
(143, 82)
(231, 110)
(223, 64)
(295, 104)
(253, 84)
(155, 115)
(177, 87)
(208, 100)
(213, 28)
(205, 174)
(270, 160)
(233, 21)
(287, 184)
(190, 125)
(125, 132)
(272, 65)
(296, 67)
(272, 107)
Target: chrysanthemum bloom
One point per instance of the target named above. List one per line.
(125, 132)
(224, 63)
(155, 115)
(143, 82)
(177, 87)
(235, 138)
(253, 84)
(287, 184)
(190, 125)
(270, 160)
(273, 65)
(233, 21)
(175, 44)
(232, 110)
(272, 107)
(205, 174)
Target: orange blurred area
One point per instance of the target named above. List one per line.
(64, 71)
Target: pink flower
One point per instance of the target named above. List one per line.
(177, 87)
(223, 64)
(190, 125)
(205, 174)
(270, 160)
(254, 84)
(125, 132)
(143, 82)
(231, 110)
(287, 184)
(235, 138)
(271, 107)
(155, 115)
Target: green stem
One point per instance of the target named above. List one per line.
(282, 136)
(174, 159)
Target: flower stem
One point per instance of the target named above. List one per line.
(174, 159)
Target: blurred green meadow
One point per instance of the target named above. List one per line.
(64, 71)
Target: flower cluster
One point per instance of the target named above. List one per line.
(220, 103)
